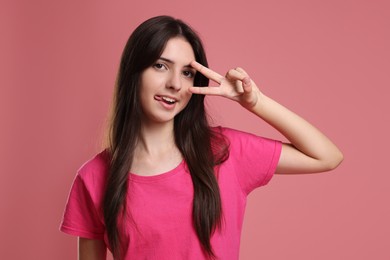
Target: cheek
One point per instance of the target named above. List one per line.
(185, 90)
(187, 98)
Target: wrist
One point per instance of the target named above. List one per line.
(255, 102)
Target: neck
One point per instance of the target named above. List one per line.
(156, 151)
(156, 139)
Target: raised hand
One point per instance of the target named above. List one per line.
(236, 85)
(310, 150)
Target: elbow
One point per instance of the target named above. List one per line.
(334, 162)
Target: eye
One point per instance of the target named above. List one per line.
(159, 66)
(188, 74)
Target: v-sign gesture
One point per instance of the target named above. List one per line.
(309, 151)
(235, 85)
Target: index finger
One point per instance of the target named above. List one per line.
(214, 76)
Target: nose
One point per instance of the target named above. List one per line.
(174, 81)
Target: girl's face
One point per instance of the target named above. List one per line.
(164, 85)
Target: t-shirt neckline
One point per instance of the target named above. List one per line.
(158, 177)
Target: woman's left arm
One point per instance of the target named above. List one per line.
(310, 150)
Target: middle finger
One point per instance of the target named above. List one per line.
(214, 76)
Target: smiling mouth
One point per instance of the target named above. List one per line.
(166, 100)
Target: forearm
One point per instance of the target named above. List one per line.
(310, 150)
(322, 154)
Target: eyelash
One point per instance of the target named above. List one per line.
(159, 66)
(191, 74)
(186, 73)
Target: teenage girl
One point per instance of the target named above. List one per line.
(169, 186)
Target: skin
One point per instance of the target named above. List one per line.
(170, 76)
(309, 150)
(91, 249)
(156, 152)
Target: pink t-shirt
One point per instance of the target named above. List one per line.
(161, 206)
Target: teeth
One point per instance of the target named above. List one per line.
(170, 100)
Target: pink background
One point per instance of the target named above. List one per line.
(327, 60)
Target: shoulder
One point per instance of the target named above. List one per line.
(238, 135)
(229, 132)
(252, 158)
(240, 141)
(83, 216)
(95, 169)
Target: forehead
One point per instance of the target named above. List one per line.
(179, 51)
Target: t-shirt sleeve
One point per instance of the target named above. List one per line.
(81, 216)
(253, 158)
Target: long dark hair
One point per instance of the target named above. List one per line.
(201, 147)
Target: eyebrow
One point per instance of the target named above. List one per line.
(172, 62)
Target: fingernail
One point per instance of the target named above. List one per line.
(246, 81)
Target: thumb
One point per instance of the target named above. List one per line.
(247, 85)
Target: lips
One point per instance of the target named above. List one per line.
(166, 99)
